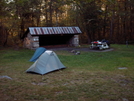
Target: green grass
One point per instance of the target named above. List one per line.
(90, 76)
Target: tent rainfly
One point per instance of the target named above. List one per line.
(46, 63)
(37, 54)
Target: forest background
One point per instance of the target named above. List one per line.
(112, 20)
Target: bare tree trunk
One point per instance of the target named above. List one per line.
(104, 22)
(111, 26)
(6, 38)
(50, 12)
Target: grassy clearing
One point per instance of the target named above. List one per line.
(91, 76)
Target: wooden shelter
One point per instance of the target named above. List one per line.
(36, 37)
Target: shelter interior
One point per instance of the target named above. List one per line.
(48, 40)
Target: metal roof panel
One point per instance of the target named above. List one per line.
(54, 30)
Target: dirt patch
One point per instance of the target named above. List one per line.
(80, 49)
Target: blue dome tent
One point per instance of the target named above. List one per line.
(46, 63)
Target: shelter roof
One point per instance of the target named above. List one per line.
(54, 30)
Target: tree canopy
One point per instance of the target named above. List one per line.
(98, 19)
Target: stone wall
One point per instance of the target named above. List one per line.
(31, 41)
